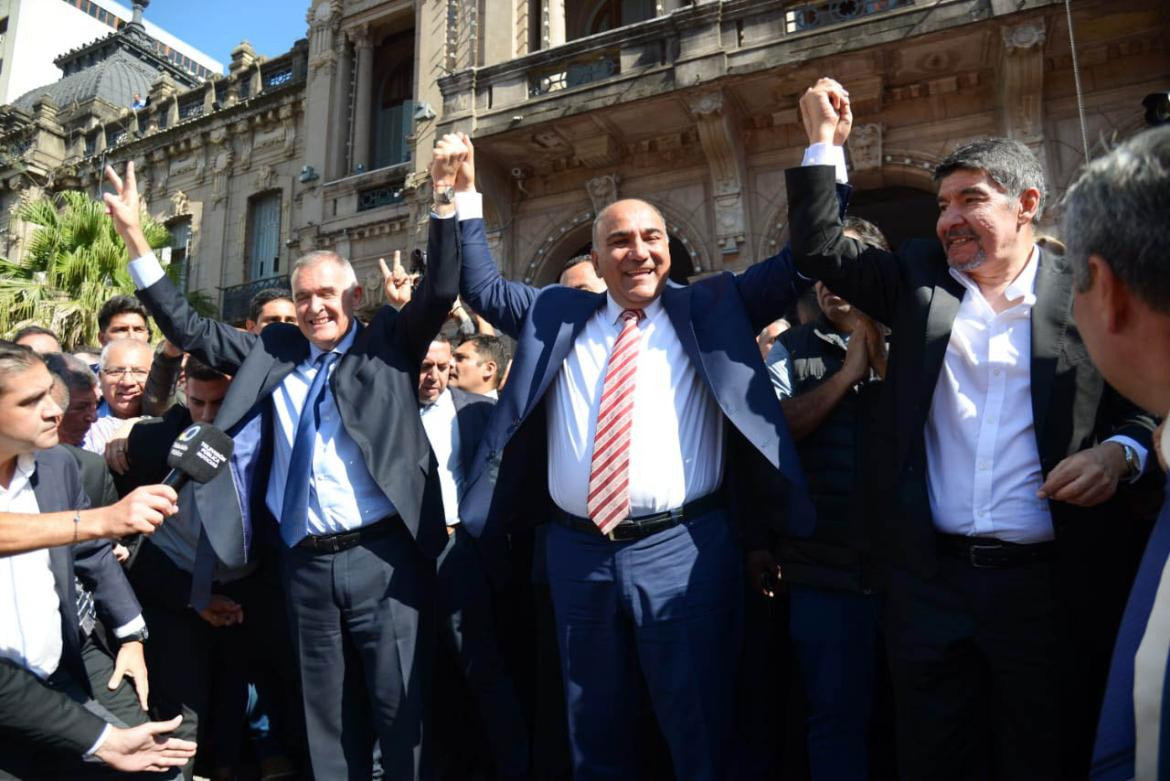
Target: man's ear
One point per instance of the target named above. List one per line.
(357, 296)
(1029, 205)
(594, 257)
(1110, 294)
(495, 370)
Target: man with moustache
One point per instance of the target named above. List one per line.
(1115, 228)
(996, 459)
(125, 365)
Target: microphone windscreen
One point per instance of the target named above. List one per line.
(200, 452)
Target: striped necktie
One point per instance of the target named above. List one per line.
(608, 502)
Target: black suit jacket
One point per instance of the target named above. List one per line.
(57, 486)
(914, 293)
(30, 710)
(375, 385)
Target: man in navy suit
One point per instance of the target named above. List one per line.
(644, 563)
(332, 473)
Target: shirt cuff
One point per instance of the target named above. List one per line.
(469, 205)
(827, 154)
(1142, 453)
(101, 738)
(145, 271)
(136, 624)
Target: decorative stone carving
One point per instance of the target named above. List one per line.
(865, 147)
(1021, 82)
(180, 205)
(1024, 36)
(603, 190)
(719, 134)
(266, 177)
(243, 132)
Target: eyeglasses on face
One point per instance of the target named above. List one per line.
(126, 371)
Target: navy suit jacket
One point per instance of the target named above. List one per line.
(32, 711)
(375, 386)
(716, 319)
(57, 487)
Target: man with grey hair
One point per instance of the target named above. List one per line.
(997, 462)
(1116, 230)
(333, 476)
(124, 367)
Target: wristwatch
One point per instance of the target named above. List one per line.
(139, 636)
(1133, 464)
(444, 195)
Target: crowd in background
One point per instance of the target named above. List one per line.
(857, 512)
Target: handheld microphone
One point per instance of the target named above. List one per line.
(200, 453)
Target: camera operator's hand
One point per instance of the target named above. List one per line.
(397, 284)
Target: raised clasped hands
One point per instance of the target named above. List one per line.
(826, 113)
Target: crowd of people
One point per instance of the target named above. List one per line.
(854, 512)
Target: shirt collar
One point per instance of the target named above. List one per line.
(26, 465)
(443, 399)
(1022, 288)
(342, 347)
(613, 310)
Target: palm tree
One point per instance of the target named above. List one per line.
(73, 263)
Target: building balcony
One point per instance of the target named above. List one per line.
(686, 48)
(234, 300)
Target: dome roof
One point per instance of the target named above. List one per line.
(115, 80)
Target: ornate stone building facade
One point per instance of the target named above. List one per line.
(573, 103)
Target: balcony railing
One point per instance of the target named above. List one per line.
(688, 46)
(234, 300)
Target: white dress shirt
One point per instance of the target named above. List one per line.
(676, 442)
(345, 496)
(983, 465)
(30, 611)
(439, 421)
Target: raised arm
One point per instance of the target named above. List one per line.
(501, 302)
(867, 277)
(217, 344)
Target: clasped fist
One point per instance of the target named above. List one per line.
(453, 162)
(826, 113)
(140, 512)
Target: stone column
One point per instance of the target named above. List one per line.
(362, 97)
(340, 132)
(552, 23)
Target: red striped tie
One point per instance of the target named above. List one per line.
(609, 474)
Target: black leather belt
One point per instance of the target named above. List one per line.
(335, 543)
(645, 525)
(990, 553)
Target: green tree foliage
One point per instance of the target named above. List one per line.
(73, 263)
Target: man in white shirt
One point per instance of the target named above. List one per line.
(41, 620)
(1116, 231)
(641, 424)
(995, 466)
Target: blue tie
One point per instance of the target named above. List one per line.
(294, 511)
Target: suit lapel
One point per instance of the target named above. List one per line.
(1049, 323)
(574, 312)
(944, 305)
(260, 375)
(677, 303)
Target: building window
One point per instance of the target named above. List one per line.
(589, 17)
(393, 113)
(264, 235)
(180, 250)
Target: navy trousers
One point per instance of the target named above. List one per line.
(363, 626)
(468, 627)
(667, 607)
(834, 637)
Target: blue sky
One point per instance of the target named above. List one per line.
(216, 26)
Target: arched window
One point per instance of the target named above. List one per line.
(589, 17)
